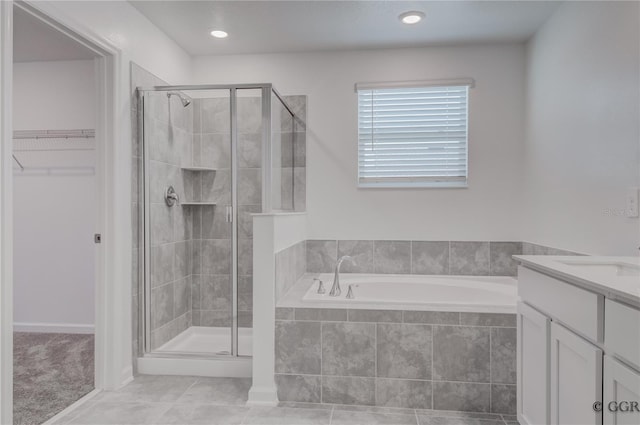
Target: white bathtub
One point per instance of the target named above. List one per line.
(437, 293)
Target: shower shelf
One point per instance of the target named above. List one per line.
(193, 204)
(198, 169)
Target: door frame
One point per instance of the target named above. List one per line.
(113, 362)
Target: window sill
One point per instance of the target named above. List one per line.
(415, 185)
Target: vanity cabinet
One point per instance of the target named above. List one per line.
(575, 348)
(533, 365)
(622, 388)
(576, 379)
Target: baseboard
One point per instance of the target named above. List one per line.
(263, 396)
(70, 411)
(63, 328)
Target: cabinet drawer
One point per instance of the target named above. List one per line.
(577, 308)
(622, 331)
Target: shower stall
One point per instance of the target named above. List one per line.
(213, 156)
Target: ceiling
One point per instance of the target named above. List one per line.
(299, 26)
(34, 40)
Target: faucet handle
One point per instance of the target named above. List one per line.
(350, 295)
(320, 286)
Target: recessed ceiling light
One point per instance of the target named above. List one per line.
(219, 34)
(412, 17)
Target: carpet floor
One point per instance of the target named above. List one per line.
(50, 372)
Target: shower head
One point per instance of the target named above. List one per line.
(185, 101)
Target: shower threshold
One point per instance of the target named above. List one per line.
(208, 340)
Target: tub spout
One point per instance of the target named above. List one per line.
(335, 289)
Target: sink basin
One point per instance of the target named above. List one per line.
(613, 268)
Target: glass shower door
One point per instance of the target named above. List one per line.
(189, 222)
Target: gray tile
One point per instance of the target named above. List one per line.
(283, 313)
(432, 317)
(469, 258)
(299, 388)
(121, 413)
(245, 220)
(343, 417)
(404, 351)
(249, 111)
(162, 305)
(503, 398)
(405, 393)
(287, 416)
(161, 224)
(249, 150)
(216, 318)
(488, 319)
(183, 223)
(361, 252)
(216, 151)
(224, 391)
(151, 388)
(216, 187)
(215, 292)
(348, 349)
(162, 264)
(249, 186)
(321, 314)
(502, 263)
(463, 396)
(300, 188)
(300, 149)
(454, 420)
(182, 297)
(392, 257)
(461, 353)
(429, 257)
(297, 347)
(321, 256)
(393, 316)
(214, 223)
(215, 115)
(373, 409)
(216, 256)
(300, 405)
(245, 256)
(182, 259)
(204, 414)
(348, 390)
(460, 414)
(245, 293)
(245, 320)
(503, 355)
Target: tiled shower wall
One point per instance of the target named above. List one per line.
(394, 358)
(168, 126)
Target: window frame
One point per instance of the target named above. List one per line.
(421, 183)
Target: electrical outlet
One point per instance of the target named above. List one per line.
(632, 202)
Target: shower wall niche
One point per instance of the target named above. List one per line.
(212, 156)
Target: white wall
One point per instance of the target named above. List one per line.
(582, 150)
(54, 216)
(488, 210)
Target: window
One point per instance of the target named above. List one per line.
(413, 134)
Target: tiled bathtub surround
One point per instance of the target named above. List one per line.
(394, 358)
(291, 264)
(415, 257)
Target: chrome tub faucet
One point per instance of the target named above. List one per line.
(335, 289)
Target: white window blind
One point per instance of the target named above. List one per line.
(412, 136)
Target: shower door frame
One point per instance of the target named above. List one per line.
(267, 90)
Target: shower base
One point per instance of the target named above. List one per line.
(208, 340)
(201, 351)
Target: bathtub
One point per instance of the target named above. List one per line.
(492, 294)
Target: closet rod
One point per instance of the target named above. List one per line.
(54, 134)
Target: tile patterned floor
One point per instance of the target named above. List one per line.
(221, 401)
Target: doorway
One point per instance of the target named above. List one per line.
(55, 193)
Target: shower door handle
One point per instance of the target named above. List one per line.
(229, 213)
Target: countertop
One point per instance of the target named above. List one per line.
(614, 277)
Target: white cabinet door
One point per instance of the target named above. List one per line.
(621, 394)
(576, 379)
(533, 366)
